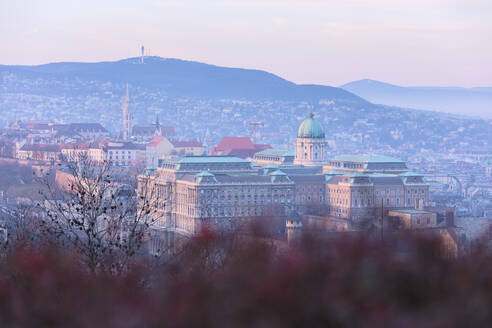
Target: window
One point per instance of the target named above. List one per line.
(418, 221)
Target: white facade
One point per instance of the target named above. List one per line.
(310, 151)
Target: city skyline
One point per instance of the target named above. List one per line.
(423, 43)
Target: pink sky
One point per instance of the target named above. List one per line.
(432, 42)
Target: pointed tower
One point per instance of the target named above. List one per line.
(206, 139)
(126, 116)
(158, 126)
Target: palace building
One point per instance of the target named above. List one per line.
(199, 191)
(193, 192)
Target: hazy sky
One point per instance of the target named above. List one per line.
(417, 42)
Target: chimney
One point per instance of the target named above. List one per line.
(449, 218)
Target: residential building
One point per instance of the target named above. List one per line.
(188, 148)
(157, 149)
(121, 153)
(39, 152)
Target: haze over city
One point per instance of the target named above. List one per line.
(409, 43)
(221, 163)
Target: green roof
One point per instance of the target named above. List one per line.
(410, 174)
(367, 159)
(204, 174)
(333, 172)
(356, 175)
(276, 152)
(311, 128)
(277, 172)
(381, 175)
(412, 211)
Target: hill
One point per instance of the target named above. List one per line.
(182, 78)
(455, 100)
(210, 102)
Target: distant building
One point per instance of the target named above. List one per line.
(121, 153)
(241, 147)
(80, 131)
(217, 191)
(359, 196)
(145, 133)
(39, 152)
(274, 157)
(75, 151)
(415, 218)
(127, 117)
(156, 149)
(220, 189)
(188, 148)
(53, 133)
(366, 164)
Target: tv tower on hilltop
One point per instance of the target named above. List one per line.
(143, 54)
(126, 116)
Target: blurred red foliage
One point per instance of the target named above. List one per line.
(244, 282)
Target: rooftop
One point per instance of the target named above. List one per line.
(411, 211)
(155, 141)
(188, 143)
(367, 159)
(311, 128)
(206, 159)
(276, 152)
(410, 174)
(235, 143)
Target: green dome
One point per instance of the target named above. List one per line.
(311, 128)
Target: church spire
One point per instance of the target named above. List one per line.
(158, 127)
(126, 116)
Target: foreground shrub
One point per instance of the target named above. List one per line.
(218, 281)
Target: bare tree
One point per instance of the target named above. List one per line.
(20, 227)
(102, 219)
